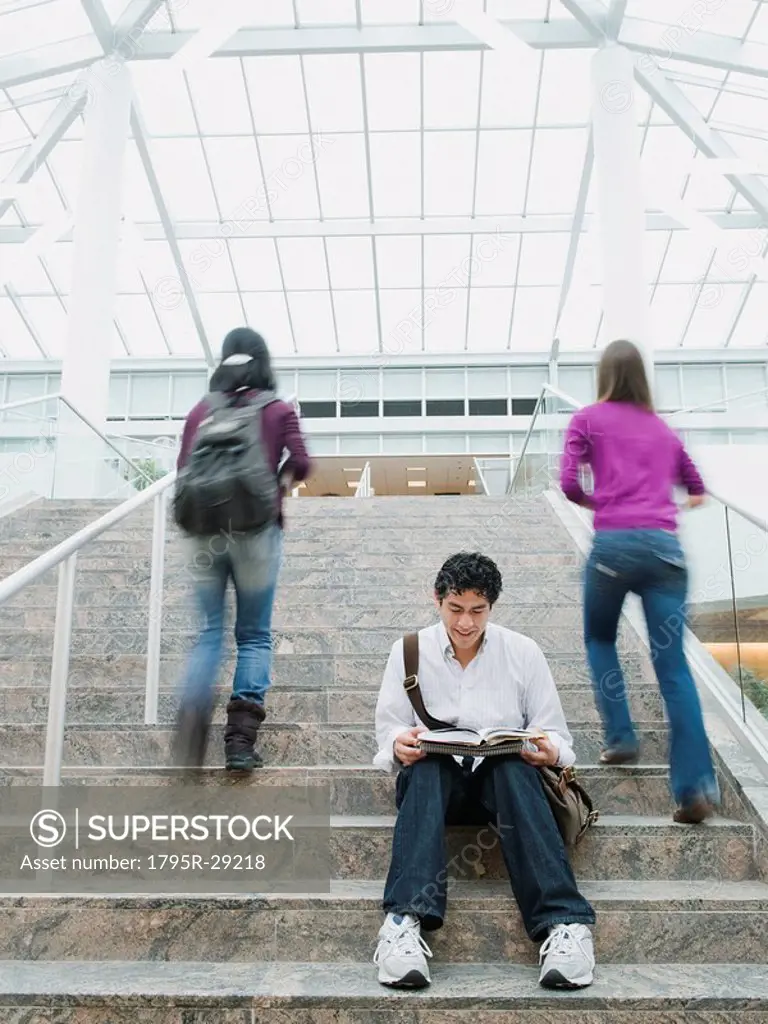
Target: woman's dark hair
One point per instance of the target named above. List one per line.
(256, 373)
(466, 571)
(621, 376)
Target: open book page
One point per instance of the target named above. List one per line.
(474, 737)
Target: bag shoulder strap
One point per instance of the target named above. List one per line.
(411, 683)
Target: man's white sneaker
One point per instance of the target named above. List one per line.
(567, 957)
(400, 954)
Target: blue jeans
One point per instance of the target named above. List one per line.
(505, 797)
(649, 563)
(253, 563)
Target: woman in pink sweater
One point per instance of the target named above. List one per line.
(636, 461)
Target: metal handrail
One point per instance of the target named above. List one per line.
(762, 524)
(82, 417)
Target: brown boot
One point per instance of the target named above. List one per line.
(243, 720)
(695, 812)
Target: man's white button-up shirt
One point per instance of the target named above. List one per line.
(507, 683)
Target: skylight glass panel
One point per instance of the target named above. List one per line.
(533, 321)
(496, 257)
(31, 117)
(489, 312)
(740, 255)
(399, 261)
(670, 310)
(268, 314)
(356, 321)
(180, 331)
(446, 260)
(542, 259)
(277, 94)
(687, 258)
(509, 91)
(451, 83)
(759, 31)
(561, 105)
(15, 340)
(392, 91)
(752, 328)
(156, 264)
(707, 190)
(396, 175)
(666, 159)
(163, 98)
(256, 264)
(58, 259)
(138, 321)
(351, 262)
(326, 12)
(237, 179)
(183, 177)
(193, 14)
(390, 12)
(507, 10)
(312, 319)
(303, 262)
(290, 176)
(220, 313)
(334, 91)
(26, 276)
(401, 321)
(713, 316)
(343, 177)
(579, 323)
(25, 29)
(449, 173)
(50, 321)
(41, 202)
(558, 159)
(220, 97)
(445, 327)
(502, 172)
(208, 265)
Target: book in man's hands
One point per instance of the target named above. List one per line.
(476, 742)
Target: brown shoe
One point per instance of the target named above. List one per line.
(615, 755)
(695, 812)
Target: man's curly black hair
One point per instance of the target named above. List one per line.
(469, 571)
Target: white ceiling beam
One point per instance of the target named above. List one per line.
(591, 15)
(705, 48)
(64, 113)
(614, 18)
(58, 58)
(739, 220)
(100, 23)
(577, 227)
(682, 111)
(135, 18)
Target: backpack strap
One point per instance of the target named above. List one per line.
(411, 683)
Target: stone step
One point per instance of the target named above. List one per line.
(97, 705)
(24, 643)
(363, 789)
(617, 847)
(179, 593)
(295, 575)
(319, 615)
(637, 922)
(127, 671)
(199, 992)
(280, 743)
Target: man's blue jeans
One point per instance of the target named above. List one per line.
(252, 561)
(505, 799)
(649, 563)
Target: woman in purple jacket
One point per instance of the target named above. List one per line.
(252, 560)
(636, 461)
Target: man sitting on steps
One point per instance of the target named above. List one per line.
(478, 675)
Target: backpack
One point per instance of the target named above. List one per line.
(227, 484)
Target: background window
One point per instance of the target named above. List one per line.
(446, 407)
(487, 407)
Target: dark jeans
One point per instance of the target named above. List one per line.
(505, 797)
(650, 563)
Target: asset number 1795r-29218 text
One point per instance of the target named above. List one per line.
(216, 862)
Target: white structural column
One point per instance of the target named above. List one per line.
(620, 201)
(81, 461)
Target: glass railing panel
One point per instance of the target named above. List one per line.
(714, 555)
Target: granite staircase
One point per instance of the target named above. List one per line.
(682, 911)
